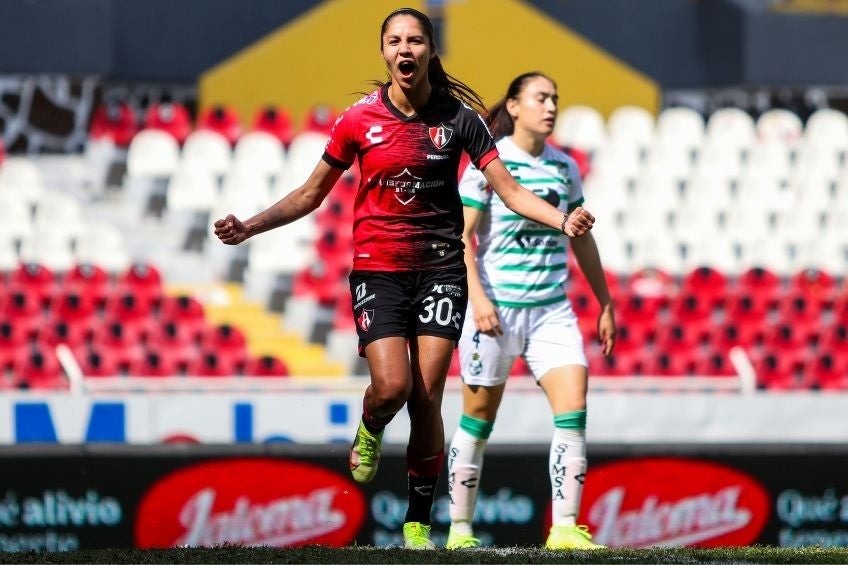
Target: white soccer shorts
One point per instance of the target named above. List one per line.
(547, 336)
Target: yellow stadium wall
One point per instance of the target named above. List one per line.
(330, 53)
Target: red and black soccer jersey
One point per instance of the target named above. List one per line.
(408, 213)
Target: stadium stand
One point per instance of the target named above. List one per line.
(749, 253)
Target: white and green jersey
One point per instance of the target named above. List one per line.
(522, 263)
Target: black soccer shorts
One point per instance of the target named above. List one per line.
(408, 303)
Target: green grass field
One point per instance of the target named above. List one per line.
(487, 555)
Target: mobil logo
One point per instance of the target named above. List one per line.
(673, 502)
(250, 502)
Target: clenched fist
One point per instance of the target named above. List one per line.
(230, 230)
(579, 221)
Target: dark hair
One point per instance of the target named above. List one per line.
(437, 74)
(499, 120)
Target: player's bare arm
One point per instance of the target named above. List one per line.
(485, 314)
(524, 202)
(293, 206)
(586, 252)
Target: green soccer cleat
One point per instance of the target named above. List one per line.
(457, 540)
(571, 537)
(417, 536)
(365, 454)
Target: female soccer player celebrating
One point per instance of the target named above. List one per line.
(518, 307)
(408, 280)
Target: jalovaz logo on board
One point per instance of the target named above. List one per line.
(250, 502)
(673, 502)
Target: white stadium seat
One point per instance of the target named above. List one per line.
(152, 153)
(682, 126)
(207, 150)
(49, 247)
(22, 177)
(731, 127)
(827, 127)
(632, 125)
(779, 126)
(103, 245)
(259, 152)
(581, 127)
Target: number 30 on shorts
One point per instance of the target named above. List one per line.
(441, 310)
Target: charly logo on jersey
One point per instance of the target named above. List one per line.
(440, 135)
(407, 185)
(365, 319)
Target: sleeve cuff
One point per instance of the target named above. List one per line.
(472, 203)
(486, 159)
(333, 162)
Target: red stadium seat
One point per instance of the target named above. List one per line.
(799, 308)
(828, 371)
(223, 120)
(747, 308)
(125, 341)
(789, 334)
(90, 280)
(74, 334)
(171, 117)
(144, 281)
(157, 363)
(713, 363)
(814, 284)
(266, 366)
(631, 336)
(653, 286)
(98, 363)
(669, 364)
(782, 369)
(72, 305)
(622, 363)
(211, 363)
(13, 340)
(39, 368)
(688, 307)
(677, 338)
(320, 119)
(455, 369)
(116, 121)
(23, 311)
(36, 280)
(840, 309)
(760, 282)
(276, 121)
(834, 339)
(520, 368)
(732, 334)
(708, 283)
(186, 314)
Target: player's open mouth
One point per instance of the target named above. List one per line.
(406, 68)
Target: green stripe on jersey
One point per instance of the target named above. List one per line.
(471, 203)
(527, 286)
(532, 268)
(530, 231)
(516, 164)
(533, 304)
(543, 180)
(534, 251)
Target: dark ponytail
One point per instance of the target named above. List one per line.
(500, 122)
(436, 72)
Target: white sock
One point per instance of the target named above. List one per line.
(567, 468)
(465, 464)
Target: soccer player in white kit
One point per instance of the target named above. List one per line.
(518, 307)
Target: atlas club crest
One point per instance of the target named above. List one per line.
(440, 135)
